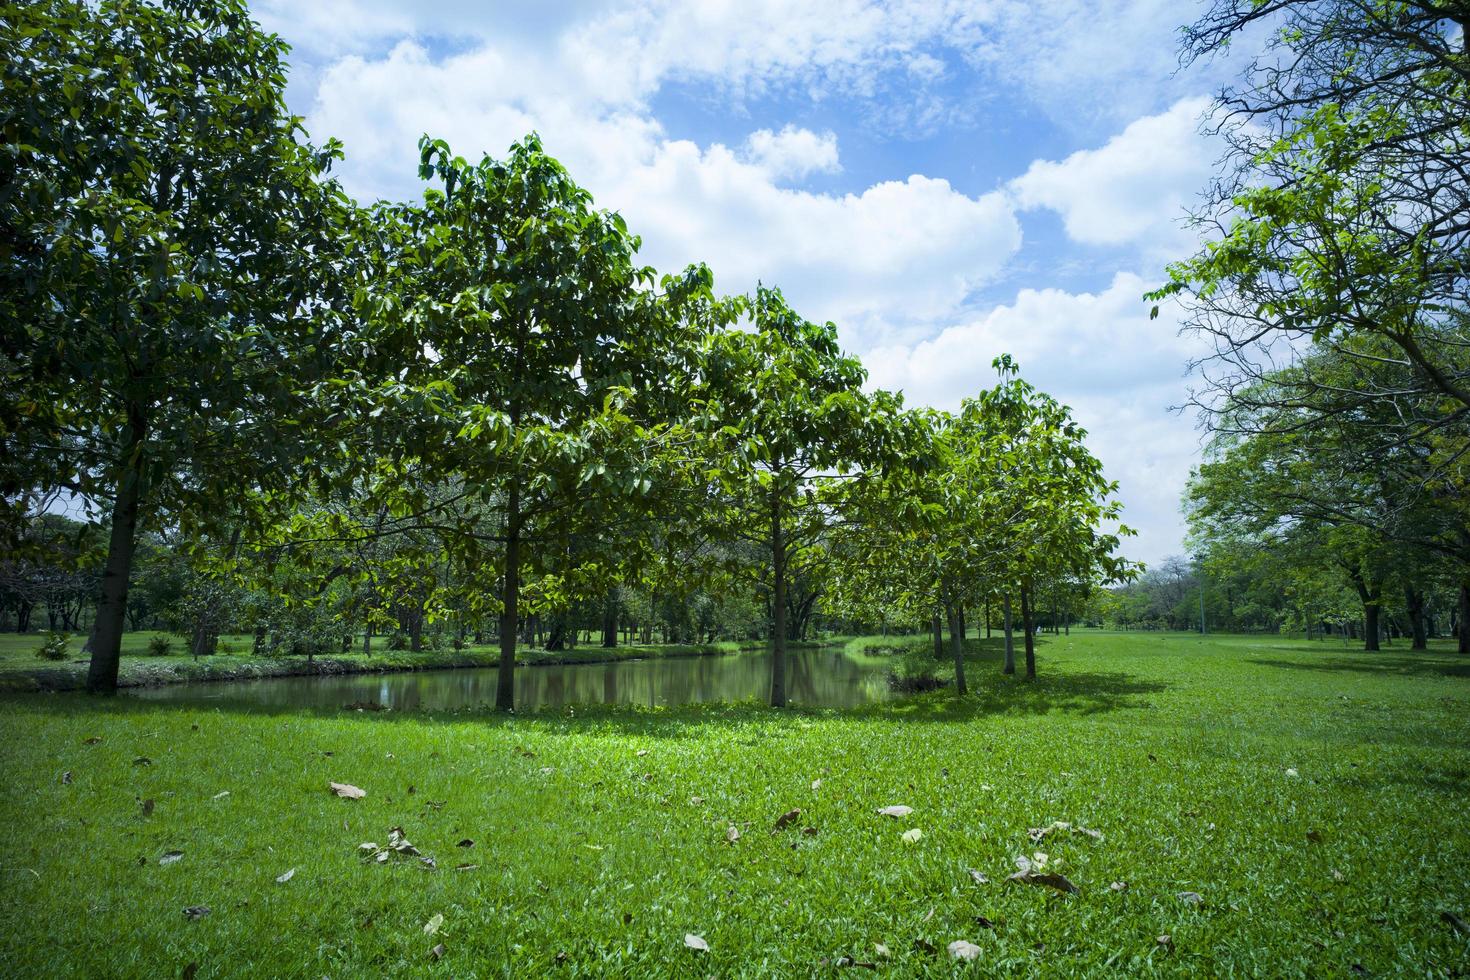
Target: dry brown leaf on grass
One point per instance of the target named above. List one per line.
(432, 926)
(465, 843)
(147, 806)
(732, 833)
(787, 818)
(347, 791)
(1191, 898)
(196, 912)
(1027, 874)
(281, 879)
(696, 943)
(895, 811)
(93, 740)
(962, 949)
(978, 876)
(169, 857)
(142, 760)
(66, 778)
(1119, 886)
(1038, 834)
(437, 953)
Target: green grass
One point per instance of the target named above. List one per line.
(1176, 748)
(21, 670)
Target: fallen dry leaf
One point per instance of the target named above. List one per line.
(196, 912)
(169, 857)
(1291, 772)
(983, 922)
(809, 831)
(142, 760)
(1191, 898)
(696, 800)
(1314, 836)
(1119, 886)
(695, 942)
(732, 833)
(962, 950)
(432, 926)
(816, 784)
(895, 811)
(92, 741)
(220, 795)
(1166, 941)
(347, 791)
(66, 778)
(642, 753)
(913, 836)
(286, 876)
(1028, 875)
(465, 867)
(147, 807)
(978, 876)
(465, 843)
(789, 817)
(437, 953)
(881, 951)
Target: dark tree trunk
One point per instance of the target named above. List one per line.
(1464, 618)
(957, 648)
(505, 691)
(1007, 626)
(610, 620)
(1414, 604)
(1371, 630)
(112, 606)
(1026, 628)
(987, 619)
(938, 630)
(778, 608)
(367, 640)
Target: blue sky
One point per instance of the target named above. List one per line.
(946, 181)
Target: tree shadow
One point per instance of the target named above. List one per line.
(1427, 665)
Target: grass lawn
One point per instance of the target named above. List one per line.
(1315, 799)
(22, 670)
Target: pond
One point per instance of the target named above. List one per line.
(823, 677)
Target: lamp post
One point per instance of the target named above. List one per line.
(1199, 570)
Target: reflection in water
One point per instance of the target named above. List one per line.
(823, 678)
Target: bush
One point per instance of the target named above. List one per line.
(459, 642)
(398, 641)
(160, 646)
(53, 647)
(226, 649)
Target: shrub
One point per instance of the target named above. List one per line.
(160, 646)
(459, 642)
(53, 646)
(226, 649)
(398, 641)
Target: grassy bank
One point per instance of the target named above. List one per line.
(1312, 798)
(21, 670)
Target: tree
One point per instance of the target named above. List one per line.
(781, 410)
(173, 254)
(534, 356)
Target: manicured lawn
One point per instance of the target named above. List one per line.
(1315, 798)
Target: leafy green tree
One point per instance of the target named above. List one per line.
(173, 254)
(782, 410)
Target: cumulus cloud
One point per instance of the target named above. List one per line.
(793, 152)
(1133, 190)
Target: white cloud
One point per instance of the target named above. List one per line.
(793, 152)
(1101, 354)
(1134, 189)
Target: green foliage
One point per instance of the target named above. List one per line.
(53, 646)
(160, 645)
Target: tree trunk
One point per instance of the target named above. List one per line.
(112, 607)
(1464, 618)
(610, 620)
(1026, 628)
(505, 692)
(987, 619)
(1006, 625)
(778, 608)
(957, 647)
(367, 640)
(1414, 604)
(938, 630)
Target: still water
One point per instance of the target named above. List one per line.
(825, 677)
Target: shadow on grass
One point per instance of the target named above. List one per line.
(1426, 665)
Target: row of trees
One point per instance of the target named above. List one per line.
(1333, 291)
(473, 407)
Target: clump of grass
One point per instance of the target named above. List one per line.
(160, 645)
